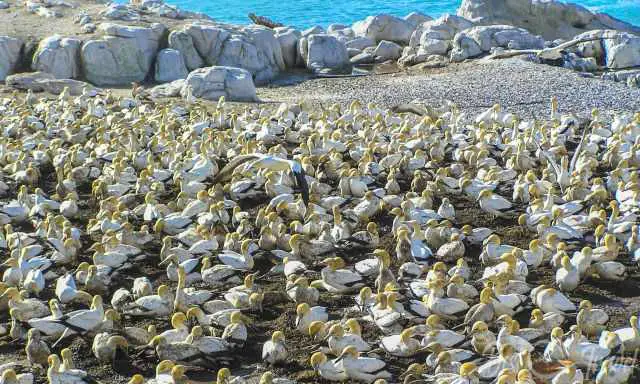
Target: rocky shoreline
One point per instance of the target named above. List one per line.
(192, 56)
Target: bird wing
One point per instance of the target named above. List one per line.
(499, 203)
(227, 171)
(576, 154)
(551, 161)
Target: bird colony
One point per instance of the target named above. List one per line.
(282, 244)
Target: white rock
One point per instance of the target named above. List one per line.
(170, 66)
(430, 46)
(288, 39)
(58, 56)
(474, 41)
(207, 40)
(332, 28)
(46, 82)
(417, 18)
(324, 54)
(47, 13)
(210, 83)
(465, 47)
(353, 52)
(614, 49)
(10, 48)
(124, 55)
(254, 48)
(360, 43)
(384, 27)
(622, 50)
(363, 58)
(443, 28)
(171, 89)
(342, 32)
(315, 30)
(576, 63)
(183, 43)
(433, 37)
(120, 12)
(549, 18)
(88, 28)
(84, 19)
(387, 50)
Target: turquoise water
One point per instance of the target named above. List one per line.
(306, 13)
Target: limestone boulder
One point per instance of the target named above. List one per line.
(550, 18)
(46, 82)
(387, 50)
(611, 49)
(210, 83)
(182, 42)
(333, 28)
(257, 50)
(417, 18)
(163, 9)
(342, 32)
(434, 37)
(353, 52)
(10, 49)
(385, 27)
(170, 66)
(123, 55)
(622, 50)
(360, 43)
(288, 39)
(324, 54)
(207, 41)
(315, 30)
(477, 40)
(120, 12)
(58, 56)
(580, 64)
(171, 89)
(434, 46)
(363, 58)
(254, 48)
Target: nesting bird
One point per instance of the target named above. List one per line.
(358, 229)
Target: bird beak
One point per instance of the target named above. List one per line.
(165, 261)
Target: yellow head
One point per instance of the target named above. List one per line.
(318, 359)
(136, 379)
(468, 369)
(277, 337)
(224, 375)
(479, 326)
(177, 372)
(406, 334)
(164, 366)
(315, 327)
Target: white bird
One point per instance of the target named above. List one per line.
(366, 369)
(243, 163)
(494, 204)
(274, 351)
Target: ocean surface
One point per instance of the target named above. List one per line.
(307, 13)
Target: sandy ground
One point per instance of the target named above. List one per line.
(519, 86)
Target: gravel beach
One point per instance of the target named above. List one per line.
(520, 86)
